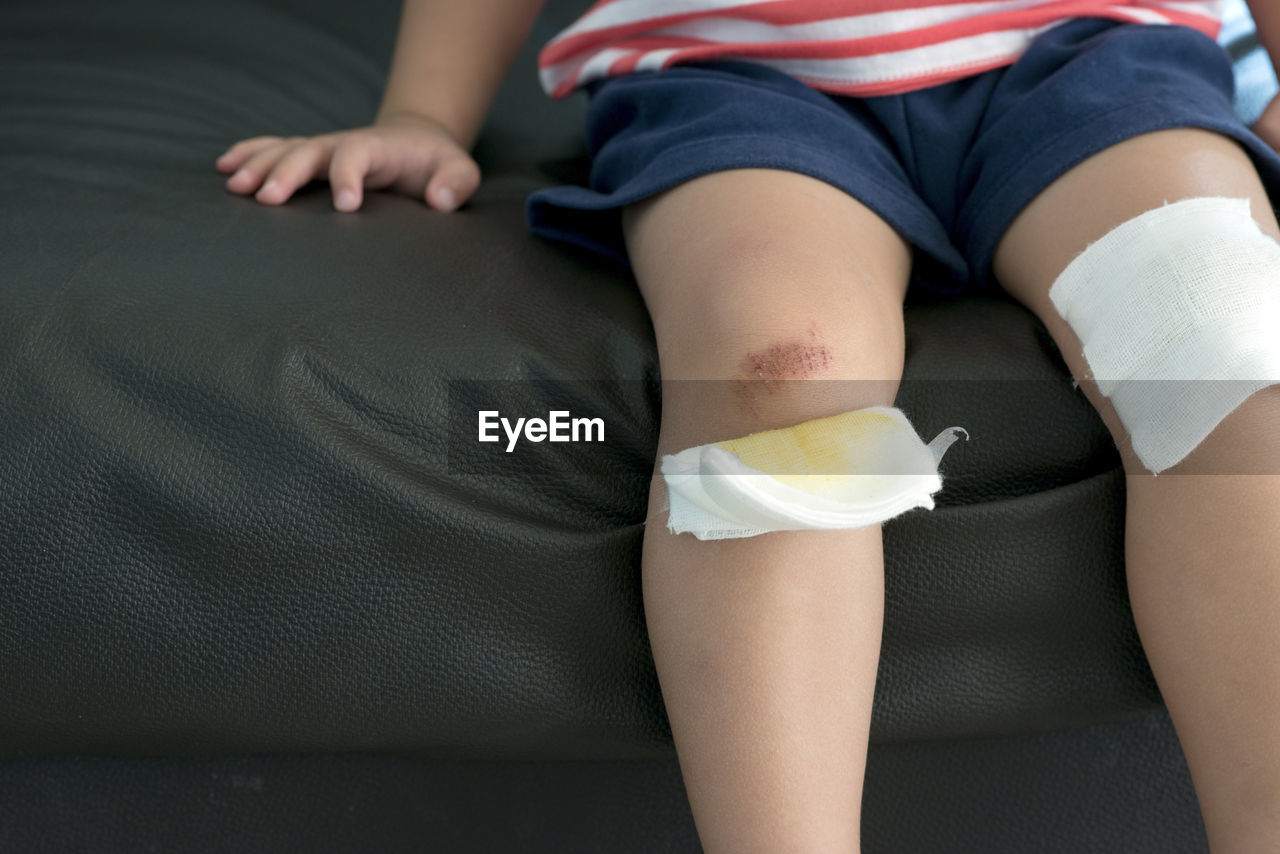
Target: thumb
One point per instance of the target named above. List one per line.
(1267, 127)
(454, 181)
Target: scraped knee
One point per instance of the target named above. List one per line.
(806, 373)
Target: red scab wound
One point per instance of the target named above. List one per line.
(769, 371)
(793, 360)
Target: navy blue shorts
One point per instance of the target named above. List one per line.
(947, 167)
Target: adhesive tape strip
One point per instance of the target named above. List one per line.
(1177, 311)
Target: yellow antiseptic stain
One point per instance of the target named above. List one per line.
(817, 456)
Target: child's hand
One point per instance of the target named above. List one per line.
(409, 152)
(1267, 127)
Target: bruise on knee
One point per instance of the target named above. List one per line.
(790, 360)
(764, 373)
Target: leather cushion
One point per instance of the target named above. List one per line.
(241, 511)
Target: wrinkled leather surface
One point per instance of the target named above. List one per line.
(1114, 788)
(235, 511)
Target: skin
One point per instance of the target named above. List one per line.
(1202, 540)
(772, 370)
(1266, 18)
(449, 60)
(766, 648)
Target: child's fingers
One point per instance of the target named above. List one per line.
(454, 181)
(296, 167)
(1268, 124)
(236, 155)
(273, 168)
(251, 172)
(350, 163)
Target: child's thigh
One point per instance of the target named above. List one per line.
(741, 259)
(1119, 183)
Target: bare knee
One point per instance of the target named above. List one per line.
(746, 255)
(775, 298)
(745, 381)
(805, 374)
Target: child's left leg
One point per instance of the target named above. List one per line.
(1202, 552)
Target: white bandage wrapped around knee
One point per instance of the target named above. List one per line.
(1178, 310)
(844, 471)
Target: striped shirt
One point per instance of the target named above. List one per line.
(848, 47)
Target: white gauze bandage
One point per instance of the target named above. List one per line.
(1178, 310)
(844, 471)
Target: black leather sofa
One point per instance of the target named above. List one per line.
(260, 589)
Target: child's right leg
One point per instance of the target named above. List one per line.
(767, 647)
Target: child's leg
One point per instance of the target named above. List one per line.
(766, 647)
(1202, 551)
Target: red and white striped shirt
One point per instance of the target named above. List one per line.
(849, 47)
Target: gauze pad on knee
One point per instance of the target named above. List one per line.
(1178, 310)
(844, 471)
